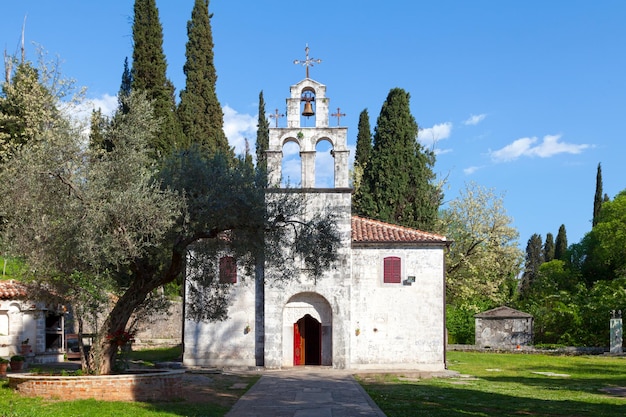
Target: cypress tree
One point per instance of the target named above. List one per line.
(125, 89)
(534, 259)
(548, 248)
(149, 74)
(98, 138)
(560, 246)
(363, 140)
(361, 157)
(262, 136)
(597, 199)
(200, 113)
(397, 184)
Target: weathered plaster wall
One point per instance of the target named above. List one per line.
(333, 287)
(399, 326)
(224, 343)
(504, 332)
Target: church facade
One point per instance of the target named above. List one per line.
(381, 307)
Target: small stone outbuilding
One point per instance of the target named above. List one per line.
(30, 328)
(503, 327)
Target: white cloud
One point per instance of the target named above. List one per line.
(550, 146)
(431, 135)
(107, 104)
(238, 127)
(474, 119)
(471, 170)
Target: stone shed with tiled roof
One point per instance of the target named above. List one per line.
(24, 320)
(503, 327)
(381, 307)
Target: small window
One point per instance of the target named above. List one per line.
(392, 270)
(228, 270)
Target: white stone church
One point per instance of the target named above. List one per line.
(383, 307)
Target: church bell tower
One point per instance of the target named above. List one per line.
(308, 105)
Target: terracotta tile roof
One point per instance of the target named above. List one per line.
(11, 289)
(502, 313)
(374, 231)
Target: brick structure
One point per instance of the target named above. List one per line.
(148, 386)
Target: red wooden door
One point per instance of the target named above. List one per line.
(298, 347)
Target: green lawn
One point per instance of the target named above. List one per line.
(492, 384)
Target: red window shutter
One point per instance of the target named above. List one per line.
(228, 270)
(393, 270)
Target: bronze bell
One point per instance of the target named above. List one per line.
(308, 109)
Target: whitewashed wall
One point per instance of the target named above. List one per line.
(224, 343)
(400, 326)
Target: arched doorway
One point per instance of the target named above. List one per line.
(307, 331)
(307, 341)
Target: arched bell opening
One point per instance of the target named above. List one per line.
(324, 164)
(291, 165)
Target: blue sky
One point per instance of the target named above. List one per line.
(522, 97)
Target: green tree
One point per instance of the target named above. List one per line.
(97, 135)
(149, 75)
(112, 223)
(363, 140)
(199, 110)
(27, 107)
(534, 259)
(606, 243)
(484, 258)
(597, 199)
(262, 135)
(125, 88)
(363, 150)
(406, 194)
(548, 248)
(560, 245)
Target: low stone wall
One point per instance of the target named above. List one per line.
(531, 349)
(146, 386)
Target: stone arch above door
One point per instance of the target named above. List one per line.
(308, 303)
(297, 307)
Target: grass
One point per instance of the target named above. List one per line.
(493, 384)
(212, 398)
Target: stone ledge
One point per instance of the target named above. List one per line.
(161, 385)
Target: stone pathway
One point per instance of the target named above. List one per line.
(306, 393)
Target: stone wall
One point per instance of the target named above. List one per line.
(504, 332)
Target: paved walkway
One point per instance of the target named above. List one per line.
(305, 393)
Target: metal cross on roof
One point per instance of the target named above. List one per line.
(276, 116)
(338, 115)
(308, 62)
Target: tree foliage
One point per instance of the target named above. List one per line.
(33, 99)
(534, 259)
(199, 111)
(362, 153)
(560, 245)
(97, 221)
(548, 248)
(606, 243)
(407, 194)
(148, 75)
(597, 198)
(483, 260)
(262, 135)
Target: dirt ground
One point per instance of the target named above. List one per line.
(216, 387)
